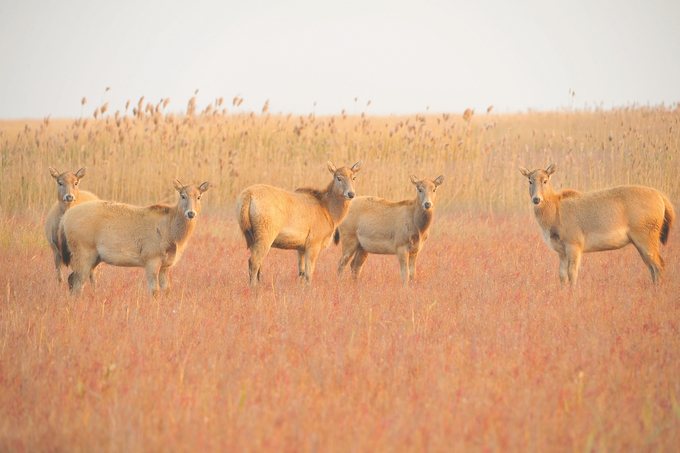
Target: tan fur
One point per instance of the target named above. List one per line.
(68, 195)
(574, 223)
(151, 237)
(303, 220)
(375, 225)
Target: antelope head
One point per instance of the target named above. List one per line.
(67, 184)
(539, 182)
(343, 179)
(190, 197)
(427, 190)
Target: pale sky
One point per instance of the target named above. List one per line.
(402, 56)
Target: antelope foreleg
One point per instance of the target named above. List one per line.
(574, 253)
(564, 265)
(163, 280)
(152, 270)
(412, 265)
(402, 255)
(311, 254)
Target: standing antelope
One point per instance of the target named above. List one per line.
(151, 237)
(69, 195)
(303, 220)
(573, 222)
(375, 225)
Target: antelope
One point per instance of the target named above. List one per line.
(118, 234)
(69, 195)
(303, 220)
(375, 225)
(573, 222)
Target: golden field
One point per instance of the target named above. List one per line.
(483, 352)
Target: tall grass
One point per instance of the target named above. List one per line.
(134, 157)
(482, 353)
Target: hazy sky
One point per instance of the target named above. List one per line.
(402, 56)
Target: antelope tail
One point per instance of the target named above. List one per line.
(668, 218)
(63, 246)
(244, 219)
(336, 236)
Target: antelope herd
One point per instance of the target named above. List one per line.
(84, 231)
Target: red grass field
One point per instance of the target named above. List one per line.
(483, 353)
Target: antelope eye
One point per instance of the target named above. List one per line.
(420, 191)
(531, 182)
(183, 197)
(354, 178)
(76, 183)
(339, 178)
(545, 181)
(59, 183)
(199, 197)
(434, 190)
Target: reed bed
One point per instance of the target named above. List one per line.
(133, 156)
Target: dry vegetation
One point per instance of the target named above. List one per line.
(484, 352)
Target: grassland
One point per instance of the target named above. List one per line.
(483, 353)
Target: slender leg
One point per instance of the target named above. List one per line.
(93, 274)
(360, 257)
(258, 252)
(301, 264)
(348, 250)
(311, 254)
(412, 265)
(59, 266)
(564, 265)
(83, 261)
(152, 269)
(648, 248)
(163, 280)
(402, 256)
(574, 253)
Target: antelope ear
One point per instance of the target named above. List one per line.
(415, 181)
(178, 185)
(356, 167)
(205, 186)
(550, 170)
(439, 180)
(332, 168)
(524, 172)
(80, 173)
(54, 173)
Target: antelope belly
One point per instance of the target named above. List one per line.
(290, 238)
(606, 240)
(120, 256)
(377, 245)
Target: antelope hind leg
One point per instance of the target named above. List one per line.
(348, 251)
(258, 252)
(360, 257)
(648, 249)
(301, 264)
(311, 254)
